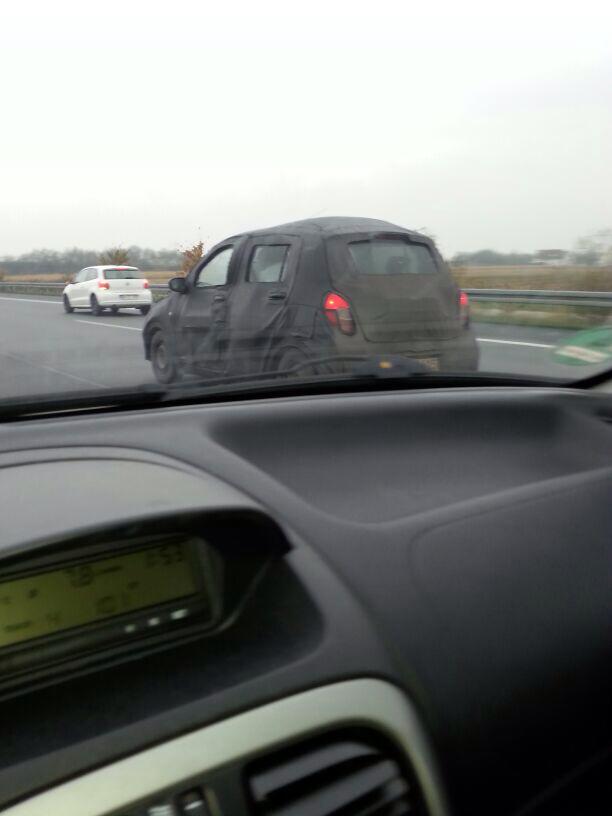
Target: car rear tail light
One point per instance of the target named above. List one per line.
(464, 308)
(338, 313)
(145, 284)
(103, 284)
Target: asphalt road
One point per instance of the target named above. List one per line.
(45, 351)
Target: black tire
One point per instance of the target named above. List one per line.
(294, 358)
(144, 310)
(67, 307)
(163, 362)
(96, 309)
(114, 310)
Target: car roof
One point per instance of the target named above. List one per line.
(112, 266)
(335, 225)
(102, 267)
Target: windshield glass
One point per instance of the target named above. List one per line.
(239, 193)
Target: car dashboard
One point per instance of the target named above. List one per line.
(377, 603)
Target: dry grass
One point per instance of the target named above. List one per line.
(540, 314)
(577, 278)
(35, 278)
(159, 276)
(574, 278)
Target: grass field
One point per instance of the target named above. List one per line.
(151, 276)
(577, 278)
(568, 278)
(574, 278)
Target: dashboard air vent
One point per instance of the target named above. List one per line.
(340, 776)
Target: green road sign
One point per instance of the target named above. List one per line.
(590, 347)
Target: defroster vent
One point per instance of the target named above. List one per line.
(341, 775)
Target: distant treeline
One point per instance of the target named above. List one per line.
(489, 257)
(588, 252)
(49, 261)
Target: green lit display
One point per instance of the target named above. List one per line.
(88, 592)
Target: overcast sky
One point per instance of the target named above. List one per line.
(157, 123)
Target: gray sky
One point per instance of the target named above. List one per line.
(158, 123)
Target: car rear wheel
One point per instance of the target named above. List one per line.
(144, 310)
(114, 310)
(96, 309)
(67, 307)
(162, 360)
(293, 358)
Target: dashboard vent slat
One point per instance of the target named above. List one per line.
(288, 772)
(340, 777)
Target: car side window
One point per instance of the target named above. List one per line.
(215, 272)
(91, 275)
(267, 263)
(80, 276)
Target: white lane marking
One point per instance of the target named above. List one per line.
(32, 300)
(133, 328)
(51, 369)
(514, 342)
(108, 325)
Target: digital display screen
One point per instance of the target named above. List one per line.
(92, 591)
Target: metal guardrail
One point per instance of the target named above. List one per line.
(159, 290)
(57, 287)
(544, 296)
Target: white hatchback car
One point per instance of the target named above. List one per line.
(108, 287)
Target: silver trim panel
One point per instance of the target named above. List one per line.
(364, 702)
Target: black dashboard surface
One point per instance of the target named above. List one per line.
(454, 542)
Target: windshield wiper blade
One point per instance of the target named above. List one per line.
(364, 366)
(367, 372)
(79, 401)
(153, 394)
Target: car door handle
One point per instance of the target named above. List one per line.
(219, 298)
(277, 294)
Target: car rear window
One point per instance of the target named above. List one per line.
(391, 256)
(121, 274)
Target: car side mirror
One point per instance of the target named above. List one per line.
(178, 285)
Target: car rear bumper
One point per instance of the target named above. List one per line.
(106, 298)
(458, 354)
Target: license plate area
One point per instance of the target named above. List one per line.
(431, 362)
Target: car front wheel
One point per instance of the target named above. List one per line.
(67, 307)
(162, 360)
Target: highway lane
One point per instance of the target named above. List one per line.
(526, 350)
(45, 351)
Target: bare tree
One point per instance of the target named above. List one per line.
(115, 255)
(593, 249)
